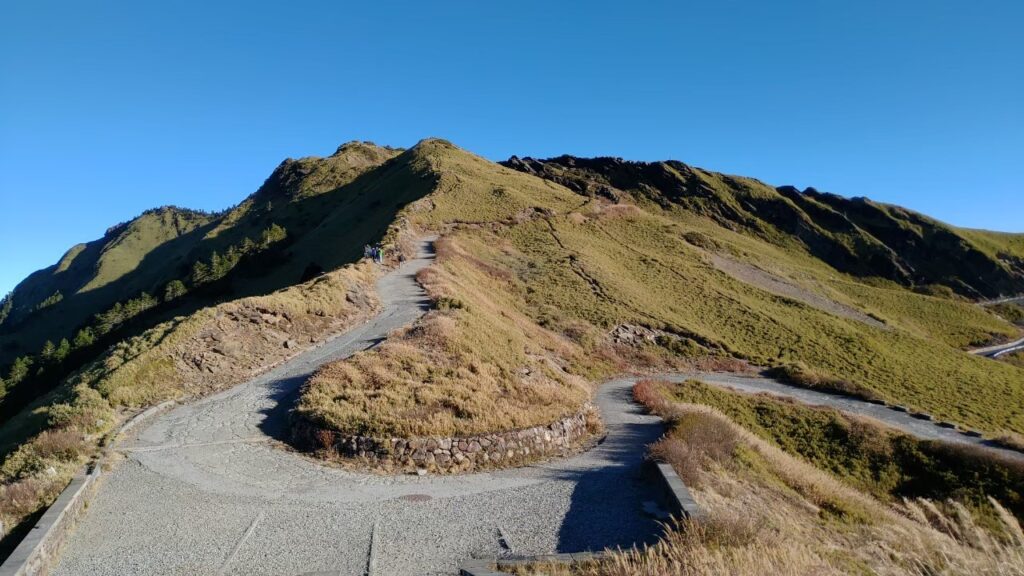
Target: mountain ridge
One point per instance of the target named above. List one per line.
(543, 282)
(854, 235)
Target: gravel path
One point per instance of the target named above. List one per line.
(206, 489)
(750, 274)
(919, 427)
(999, 349)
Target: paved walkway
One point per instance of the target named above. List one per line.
(918, 427)
(206, 489)
(999, 349)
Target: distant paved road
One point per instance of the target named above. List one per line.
(206, 490)
(900, 420)
(1002, 301)
(999, 349)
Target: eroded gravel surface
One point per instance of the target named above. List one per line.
(206, 488)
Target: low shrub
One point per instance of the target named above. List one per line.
(802, 375)
(63, 444)
(885, 463)
(1010, 440)
(696, 439)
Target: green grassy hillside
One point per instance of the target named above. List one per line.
(162, 245)
(542, 267)
(856, 235)
(310, 216)
(673, 254)
(79, 278)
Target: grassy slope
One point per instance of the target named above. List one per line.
(84, 271)
(61, 428)
(159, 246)
(44, 444)
(887, 464)
(856, 236)
(996, 243)
(642, 265)
(768, 512)
(534, 277)
(580, 266)
(477, 365)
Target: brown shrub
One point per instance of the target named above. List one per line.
(802, 375)
(20, 498)
(406, 246)
(595, 425)
(1010, 440)
(325, 439)
(696, 439)
(650, 394)
(444, 249)
(61, 444)
(609, 354)
(23, 497)
(576, 218)
(613, 211)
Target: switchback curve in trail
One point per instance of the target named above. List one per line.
(207, 488)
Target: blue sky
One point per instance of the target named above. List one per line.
(107, 109)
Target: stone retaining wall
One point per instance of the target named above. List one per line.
(451, 454)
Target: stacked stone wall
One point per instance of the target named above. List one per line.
(449, 454)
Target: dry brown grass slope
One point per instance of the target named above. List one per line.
(771, 513)
(187, 357)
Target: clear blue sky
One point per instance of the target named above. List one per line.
(107, 109)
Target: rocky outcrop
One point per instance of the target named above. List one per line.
(451, 455)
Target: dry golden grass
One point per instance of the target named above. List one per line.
(1010, 440)
(221, 346)
(65, 426)
(530, 250)
(473, 365)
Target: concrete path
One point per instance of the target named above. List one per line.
(207, 489)
(919, 427)
(1006, 300)
(999, 349)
